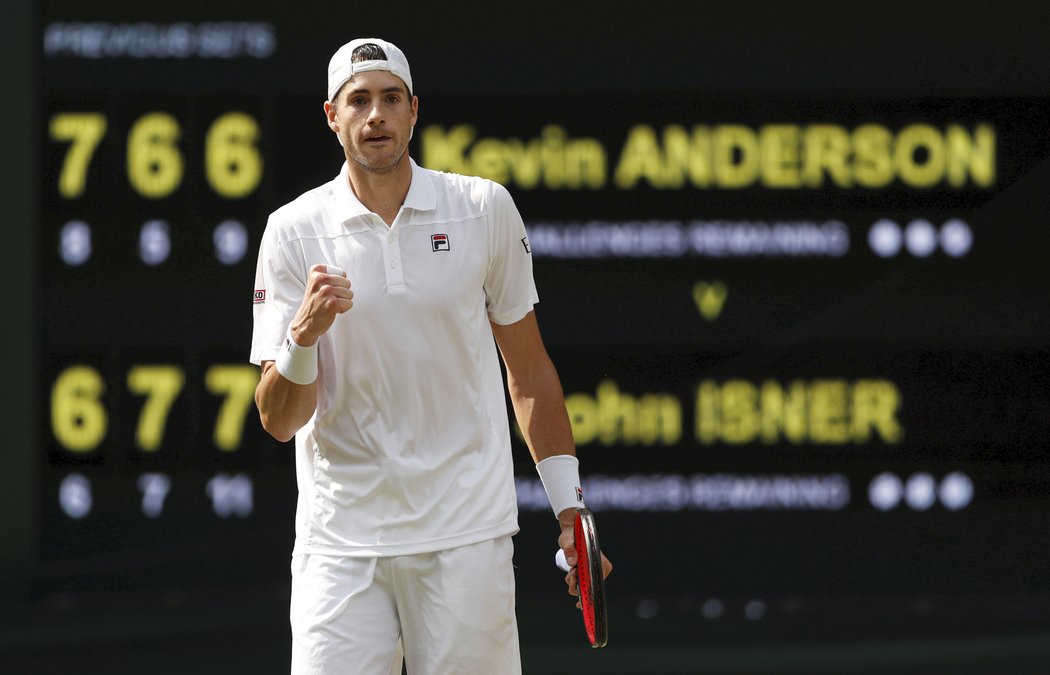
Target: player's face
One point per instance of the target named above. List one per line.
(373, 116)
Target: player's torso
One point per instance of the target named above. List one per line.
(416, 349)
(428, 265)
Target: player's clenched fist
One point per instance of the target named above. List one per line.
(328, 294)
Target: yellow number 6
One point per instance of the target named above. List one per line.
(78, 418)
(154, 160)
(231, 160)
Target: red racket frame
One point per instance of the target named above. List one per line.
(591, 578)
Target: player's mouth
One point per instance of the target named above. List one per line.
(375, 140)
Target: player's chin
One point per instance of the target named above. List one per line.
(383, 163)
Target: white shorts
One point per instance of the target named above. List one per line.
(453, 609)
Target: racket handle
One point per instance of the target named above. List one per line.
(332, 269)
(559, 560)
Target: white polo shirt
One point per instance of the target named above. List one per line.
(408, 450)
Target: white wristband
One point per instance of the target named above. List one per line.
(560, 475)
(296, 363)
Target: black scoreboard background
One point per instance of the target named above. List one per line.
(803, 333)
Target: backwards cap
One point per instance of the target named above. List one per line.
(341, 70)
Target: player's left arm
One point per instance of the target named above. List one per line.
(535, 390)
(539, 406)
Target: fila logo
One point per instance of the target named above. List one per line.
(439, 242)
(525, 243)
(579, 493)
(259, 297)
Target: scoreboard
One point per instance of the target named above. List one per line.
(807, 336)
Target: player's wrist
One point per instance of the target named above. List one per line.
(296, 362)
(560, 475)
(300, 338)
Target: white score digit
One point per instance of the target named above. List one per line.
(231, 495)
(154, 242)
(74, 245)
(155, 488)
(74, 496)
(231, 242)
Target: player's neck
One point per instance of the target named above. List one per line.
(382, 193)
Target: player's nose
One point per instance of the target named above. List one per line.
(375, 114)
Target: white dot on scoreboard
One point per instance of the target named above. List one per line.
(956, 238)
(920, 238)
(712, 608)
(885, 491)
(885, 238)
(647, 608)
(755, 610)
(920, 491)
(956, 491)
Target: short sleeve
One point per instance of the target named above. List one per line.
(510, 289)
(280, 283)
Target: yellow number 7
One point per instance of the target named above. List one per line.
(238, 384)
(160, 385)
(83, 131)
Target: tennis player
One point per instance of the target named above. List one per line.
(377, 298)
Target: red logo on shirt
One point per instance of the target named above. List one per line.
(259, 297)
(439, 242)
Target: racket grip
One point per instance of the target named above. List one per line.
(332, 269)
(559, 560)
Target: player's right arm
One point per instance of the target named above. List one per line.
(284, 406)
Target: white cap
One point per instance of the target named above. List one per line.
(340, 69)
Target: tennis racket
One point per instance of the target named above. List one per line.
(590, 576)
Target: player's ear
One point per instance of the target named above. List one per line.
(330, 115)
